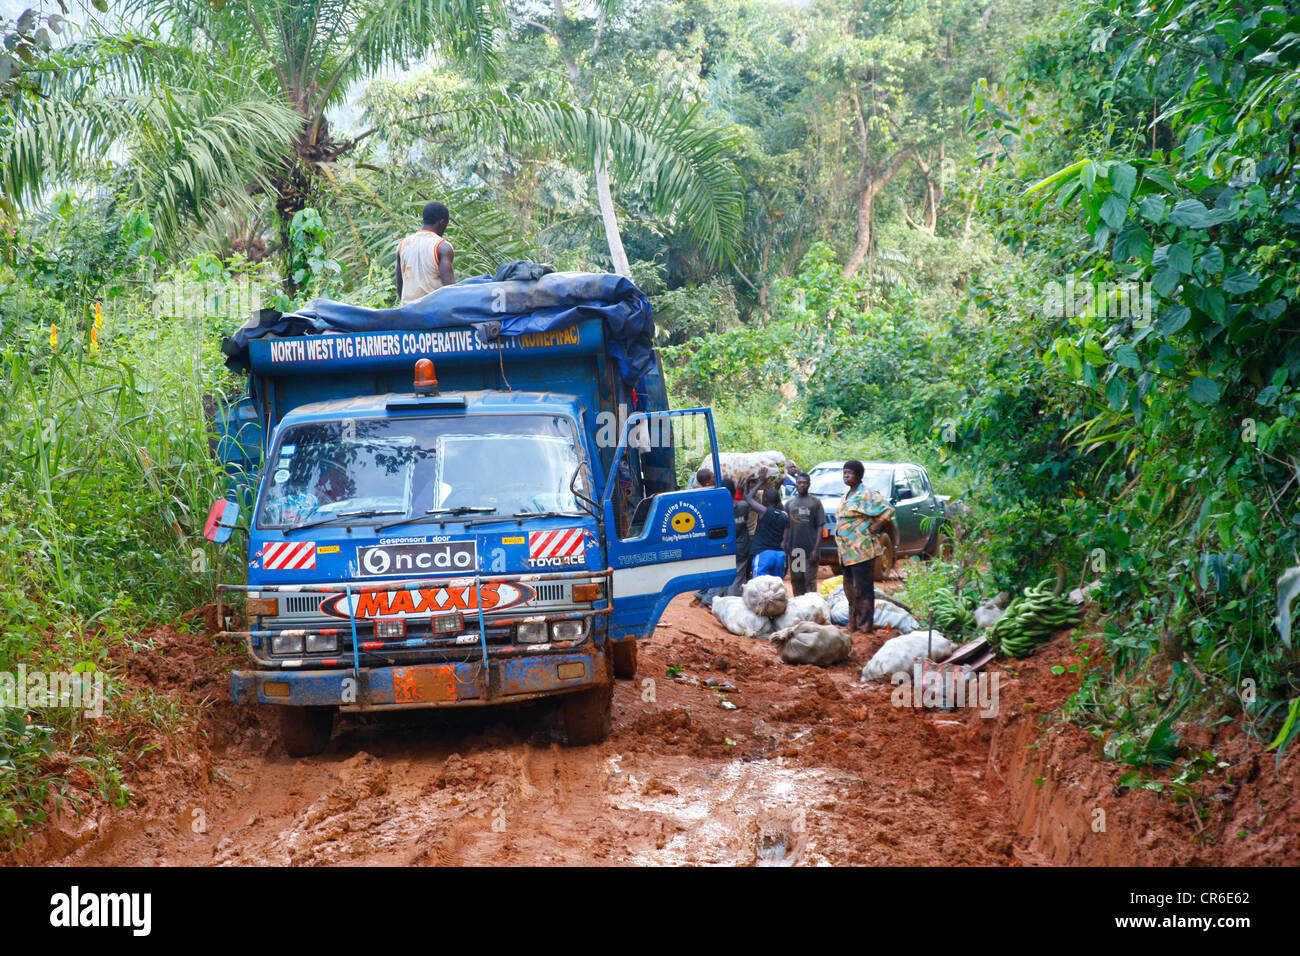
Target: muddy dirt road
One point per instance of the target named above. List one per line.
(811, 768)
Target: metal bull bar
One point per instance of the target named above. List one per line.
(348, 589)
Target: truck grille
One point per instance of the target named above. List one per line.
(300, 604)
(551, 593)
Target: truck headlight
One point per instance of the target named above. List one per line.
(288, 643)
(532, 632)
(568, 630)
(318, 643)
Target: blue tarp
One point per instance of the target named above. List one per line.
(554, 301)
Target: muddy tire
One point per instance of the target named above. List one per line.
(885, 563)
(623, 654)
(931, 549)
(587, 713)
(305, 731)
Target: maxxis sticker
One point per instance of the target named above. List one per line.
(426, 602)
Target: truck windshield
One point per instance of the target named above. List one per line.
(399, 467)
(830, 481)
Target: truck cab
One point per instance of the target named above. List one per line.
(444, 521)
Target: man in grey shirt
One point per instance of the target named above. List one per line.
(807, 518)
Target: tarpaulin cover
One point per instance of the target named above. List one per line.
(554, 301)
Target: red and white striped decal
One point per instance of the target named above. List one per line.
(560, 543)
(289, 556)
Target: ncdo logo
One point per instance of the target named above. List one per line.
(386, 559)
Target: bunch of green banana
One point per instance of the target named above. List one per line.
(953, 613)
(1031, 620)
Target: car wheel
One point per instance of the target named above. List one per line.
(885, 563)
(931, 549)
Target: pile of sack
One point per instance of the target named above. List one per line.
(800, 627)
(764, 607)
(888, 614)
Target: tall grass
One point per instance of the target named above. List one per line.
(105, 479)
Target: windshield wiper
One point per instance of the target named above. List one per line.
(364, 513)
(521, 515)
(445, 512)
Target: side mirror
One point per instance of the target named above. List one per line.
(222, 519)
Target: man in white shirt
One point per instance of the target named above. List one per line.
(424, 258)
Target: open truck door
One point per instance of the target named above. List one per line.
(662, 541)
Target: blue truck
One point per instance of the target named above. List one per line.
(471, 500)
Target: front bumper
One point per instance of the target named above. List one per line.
(410, 686)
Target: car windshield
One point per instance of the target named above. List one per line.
(401, 467)
(829, 482)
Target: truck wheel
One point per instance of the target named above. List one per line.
(305, 731)
(624, 655)
(587, 712)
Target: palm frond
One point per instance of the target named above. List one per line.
(660, 145)
(374, 208)
(186, 152)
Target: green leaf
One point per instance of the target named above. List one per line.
(1116, 392)
(1122, 179)
(1180, 258)
(1114, 210)
(1204, 390)
(1192, 214)
(1127, 356)
(1237, 282)
(1165, 281)
(1212, 261)
(1175, 318)
(1154, 209)
(1132, 241)
(1212, 302)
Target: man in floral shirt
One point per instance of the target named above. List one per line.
(859, 517)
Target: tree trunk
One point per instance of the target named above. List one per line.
(610, 218)
(872, 182)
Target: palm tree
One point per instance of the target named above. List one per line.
(190, 137)
(310, 52)
(247, 85)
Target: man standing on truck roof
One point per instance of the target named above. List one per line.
(424, 258)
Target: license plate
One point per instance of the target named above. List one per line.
(424, 683)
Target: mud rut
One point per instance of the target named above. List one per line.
(811, 768)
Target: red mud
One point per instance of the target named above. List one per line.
(812, 767)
